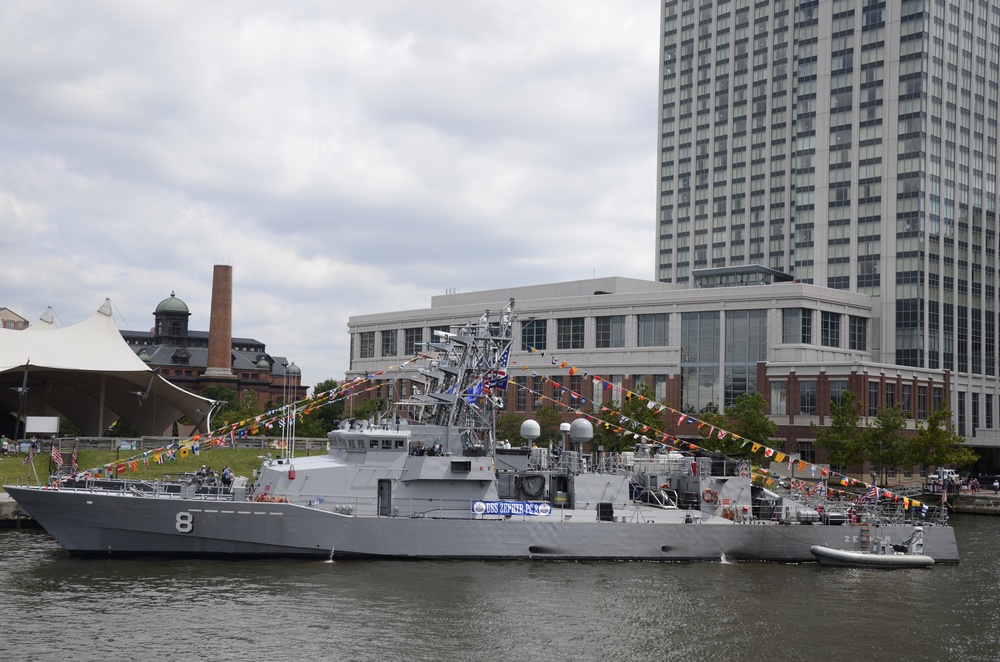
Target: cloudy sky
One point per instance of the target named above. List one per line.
(344, 157)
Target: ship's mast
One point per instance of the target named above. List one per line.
(458, 380)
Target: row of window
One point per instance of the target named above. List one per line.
(878, 398)
(653, 330)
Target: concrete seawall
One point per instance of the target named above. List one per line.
(975, 504)
(10, 514)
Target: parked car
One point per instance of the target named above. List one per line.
(950, 474)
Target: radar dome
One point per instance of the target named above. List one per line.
(531, 430)
(581, 430)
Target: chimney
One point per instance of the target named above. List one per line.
(220, 329)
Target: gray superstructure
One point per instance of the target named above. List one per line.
(428, 481)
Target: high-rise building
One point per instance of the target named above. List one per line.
(851, 144)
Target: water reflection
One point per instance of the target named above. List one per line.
(176, 610)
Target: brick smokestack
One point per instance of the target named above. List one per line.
(220, 329)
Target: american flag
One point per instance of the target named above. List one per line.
(871, 495)
(73, 460)
(29, 457)
(497, 378)
(56, 456)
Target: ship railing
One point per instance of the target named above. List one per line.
(662, 465)
(884, 510)
(153, 489)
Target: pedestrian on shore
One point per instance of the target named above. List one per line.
(996, 486)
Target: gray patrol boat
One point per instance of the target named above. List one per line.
(430, 481)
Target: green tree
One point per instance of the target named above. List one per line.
(937, 444)
(234, 409)
(636, 418)
(883, 443)
(842, 437)
(746, 418)
(325, 417)
(548, 419)
(509, 428)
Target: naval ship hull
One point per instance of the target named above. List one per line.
(109, 524)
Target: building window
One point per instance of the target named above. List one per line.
(654, 330)
(569, 333)
(660, 387)
(858, 333)
(746, 345)
(908, 400)
(873, 398)
(438, 331)
(533, 335)
(522, 394)
(616, 388)
(838, 387)
(366, 349)
(830, 329)
(610, 331)
(989, 411)
(536, 387)
(411, 340)
(778, 398)
(961, 413)
(938, 397)
(807, 397)
(975, 412)
(921, 402)
(796, 325)
(890, 396)
(389, 342)
(807, 453)
(700, 361)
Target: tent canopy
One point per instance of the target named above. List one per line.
(89, 375)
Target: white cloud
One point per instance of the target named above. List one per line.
(343, 157)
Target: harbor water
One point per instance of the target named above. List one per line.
(56, 607)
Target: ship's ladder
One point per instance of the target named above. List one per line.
(866, 535)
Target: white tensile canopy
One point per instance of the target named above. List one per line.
(87, 373)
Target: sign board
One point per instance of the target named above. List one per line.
(510, 508)
(41, 425)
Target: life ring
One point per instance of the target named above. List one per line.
(709, 496)
(664, 486)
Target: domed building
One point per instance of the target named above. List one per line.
(190, 358)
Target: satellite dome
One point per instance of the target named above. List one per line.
(581, 430)
(530, 429)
